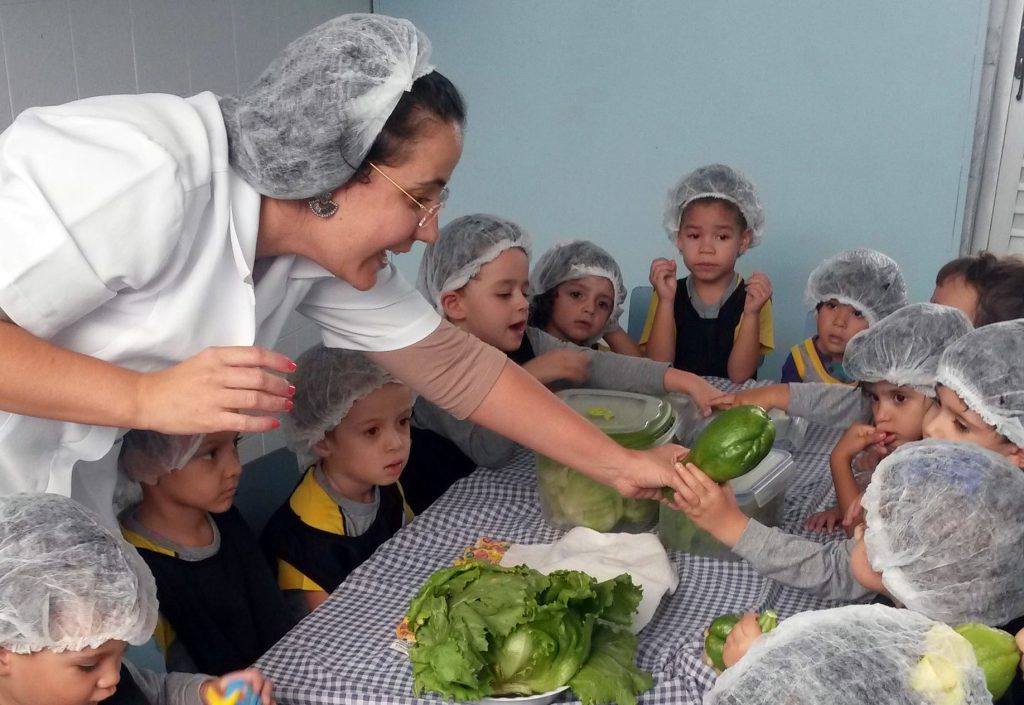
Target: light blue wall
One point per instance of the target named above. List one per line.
(854, 118)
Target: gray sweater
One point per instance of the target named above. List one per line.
(822, 569)
(829, 404)
(607, 371)
(167, 688)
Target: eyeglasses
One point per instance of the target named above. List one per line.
(428, 213)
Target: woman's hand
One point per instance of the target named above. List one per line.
(561, 364)
(210, 391)
(663, 278)
(737, 644)
(650, 471)
(711, 506)
(212, 691)
(826, 520)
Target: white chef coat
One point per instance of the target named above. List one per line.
(127, 236)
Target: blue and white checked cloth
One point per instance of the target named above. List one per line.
(341, 655)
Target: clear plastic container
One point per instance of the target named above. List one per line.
(789, 430)
(569, 498)
(761, 494)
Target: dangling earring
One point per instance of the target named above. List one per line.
(322, 205)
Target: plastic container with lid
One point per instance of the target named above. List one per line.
(569, 498)
(760, 493)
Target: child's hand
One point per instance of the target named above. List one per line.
(212, 691)
(859, 437)
(768, 397)
(663, 278)
(711, 506)
(737, 644)
(759, 290)
(697, 388)
(854, 513)
(826, 520)
(562, 364)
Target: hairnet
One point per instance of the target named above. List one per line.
(464, 246)
(852, 656)
(574, 260)
(328, 381)
(866, 279)
(308, 121)
(146, 455)
(944, 529)
(67, 582)
(904, 347)
(986, 370)
(715, 181)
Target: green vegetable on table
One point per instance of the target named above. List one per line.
(719, 629)
(482, 630)
(733, 443)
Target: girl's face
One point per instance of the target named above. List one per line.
(837, 323)
(710, 240)
(375, 217)
(61, 678)
(952, 420)
(493, 305)
(898, 412)
(581, 309)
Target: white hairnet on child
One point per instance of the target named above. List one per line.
(866, 279)
(328, 381)
(715, 181)
(464, 246)
(904, 347)
(944, 529)
(66, 581)
(309, 120)
(574, 260)
(986, 370)
(855, 655)
(146, 455)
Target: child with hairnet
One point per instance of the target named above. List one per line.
(220, 608)
(713, 322)
(477, 276)
(943, 536)
(350, 429)
(72, 595)
(576, 295)
(847, 292)
(985, 287)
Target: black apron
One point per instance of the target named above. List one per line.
(226, 610)
(327, 558)
(703, 345)
(128, 692)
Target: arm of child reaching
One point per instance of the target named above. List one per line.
(857, 438)
(821, 569)
(482, 445)
(836, 405)
(214, 689)
(661, 344)
(563, 364)
(768, 397)
(697, 388)
(737, 644)
(620, 342)
(194, 688)
(746, 348)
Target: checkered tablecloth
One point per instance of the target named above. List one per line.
(341, 653)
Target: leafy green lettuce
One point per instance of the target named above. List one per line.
(483, 630)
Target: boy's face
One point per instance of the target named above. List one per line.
(710, 240)
(581, 309)
(837, 323)
(956, 292)
(493, 305)
(898, 412)
(210, 479)
(60, 678)
(371, 444)
(951, 419)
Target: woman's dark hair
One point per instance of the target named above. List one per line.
(729, 206)
(999, 282)
(541, 308)
(432, 97)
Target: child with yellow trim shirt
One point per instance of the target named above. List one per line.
(351, 422)
(220, 608)
(848, 292)
(713, 322)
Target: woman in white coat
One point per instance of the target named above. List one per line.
(153, 246)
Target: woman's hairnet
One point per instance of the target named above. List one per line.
(866, 279)
(574, 260)
(464, 246)
(853, 656)
(715, 181)
(68, 583)
(328, 381)
(986, 370)
(146, 455)
(944, 529)
(904, 347)
(309, 120)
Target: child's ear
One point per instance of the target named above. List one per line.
(5, 661)
(322, 449)
(453, 306)
(746, 237)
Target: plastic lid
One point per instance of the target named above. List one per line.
(761, 485)
(631, 420)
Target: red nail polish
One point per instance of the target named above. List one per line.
(289, 405)
(276, 424)
(292, 366)
(291, 390)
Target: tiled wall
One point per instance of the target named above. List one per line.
(54, 51)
